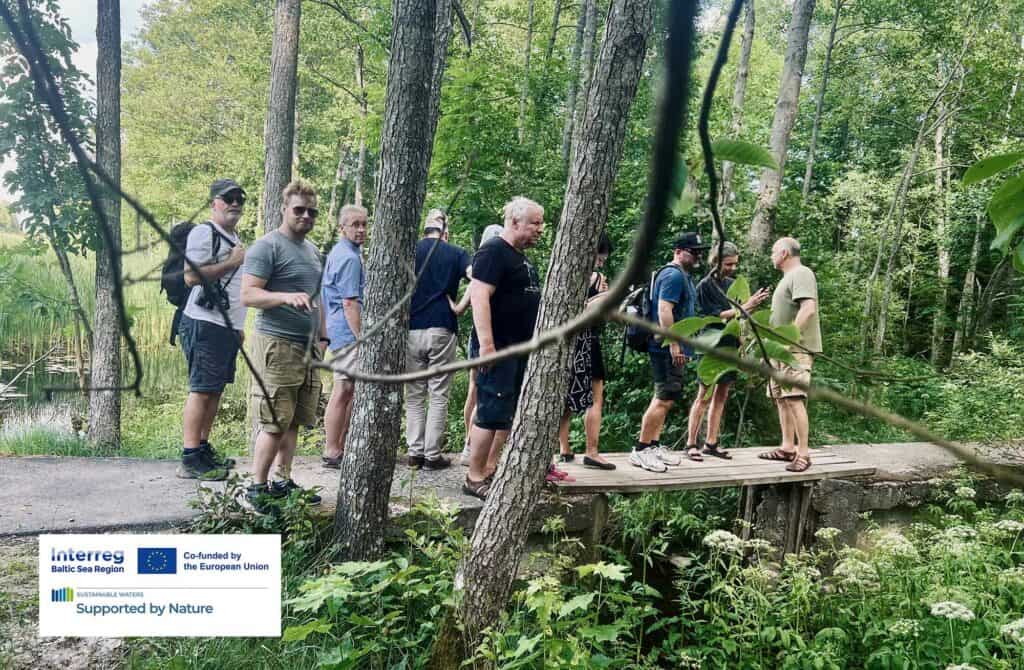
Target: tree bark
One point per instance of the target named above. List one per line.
(501, 529)
(782, 124)
(964, 313)
(992, 294)
(339, 177)
(363, 113)
(556, 14)
(105, 405)
(574, 79)
(738, 96)
(280, 127)
(938, 355)
(524, 93)
(809, 172)
(586, 74)
(419, 39)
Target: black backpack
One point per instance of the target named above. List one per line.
(172, 275)
(640, 303)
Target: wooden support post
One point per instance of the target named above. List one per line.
(748, 499)
(792, 511)
(599, 511)
(806, 490)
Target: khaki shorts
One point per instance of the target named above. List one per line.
(801, 373)
(292, 389)
(348, 358)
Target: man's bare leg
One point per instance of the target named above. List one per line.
(337, 418)
(286, 453)
(480, 441)
(264, 453)
(801, 425)
(785, 425)
(497, 444)
(654, 419)
(200, 408)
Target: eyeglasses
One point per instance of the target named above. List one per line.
(300, 211)
(233, 198)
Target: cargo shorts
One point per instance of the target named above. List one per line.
(293, 390)
(799, 373)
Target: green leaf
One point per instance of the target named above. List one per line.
(710, 369)
(580, 602)
(739, 291)
(780, 334)
(300, 633)
(679, 177)
(987, 167)
(607, 570)
(693, 324)
(683, 205)
(779, 352)
(738, 151)
(526, 645)
(1006, 233)
(732, 328)
(1018, 258)
(607, 633)
(1005, 210)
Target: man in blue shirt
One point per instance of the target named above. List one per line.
(343, 305)
(672, 298)
(432, 338)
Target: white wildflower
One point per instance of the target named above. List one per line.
(759, 574)
(894, 544)
(960, 533)
(961, 666)
(949, 609)
(1012, 574)
(687, 662)
(965, 492)
(723, 541)
(759, 546)
(852, 572)
(1015, 497)
(1014, 630)
(1009, 526)
(828, 534)
(905, 628)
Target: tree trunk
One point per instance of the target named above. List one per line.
(524, 93)
(295, 137)
(782, 124)
(361, 159)
(991, 294)
(738, 95)
(586, 74)
(964, 314)
(502, 526)
(419, 39)
(556, 14)
(105, 405)
(339, 177)
(938, 355)
(574, 79)
(280, 127)
(809, 173)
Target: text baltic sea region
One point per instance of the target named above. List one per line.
(87, 561)
(220, 561)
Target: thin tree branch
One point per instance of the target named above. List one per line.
(351, 19)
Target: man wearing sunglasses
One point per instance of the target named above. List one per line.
(210, 343)
(280, 279)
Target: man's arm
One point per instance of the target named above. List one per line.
(665, 320)
(353, 312)
(480, 296)
(808, 308)
(254, 294)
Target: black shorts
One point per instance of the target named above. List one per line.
(210, 350)
(497, 393)
(668, 379)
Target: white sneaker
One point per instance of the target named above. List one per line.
(464, 458)
(666, 455)
(647, 460)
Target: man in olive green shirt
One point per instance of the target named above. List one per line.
(795, 301)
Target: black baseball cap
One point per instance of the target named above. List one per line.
(692, 242)
(223, 187)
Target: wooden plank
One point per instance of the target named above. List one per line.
(630, 473)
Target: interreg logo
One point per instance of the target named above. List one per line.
(64, 595)
(86, 561)
(158, 561)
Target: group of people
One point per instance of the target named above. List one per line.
(306, 308)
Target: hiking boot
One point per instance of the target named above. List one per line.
(197, 465)
(262, 498)
(415, 461)
(647, 460)
(214, 456)
(439, 463)
(667, 456)
(282, 489)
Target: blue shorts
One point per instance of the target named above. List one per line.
(497, 393)
(210, 350)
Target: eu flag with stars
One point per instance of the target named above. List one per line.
(158, 561)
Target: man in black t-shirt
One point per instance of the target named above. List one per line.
(505, 294)
(712, 301)
(432, 339)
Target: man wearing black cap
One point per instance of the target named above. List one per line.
(207, 339)
(672, 297)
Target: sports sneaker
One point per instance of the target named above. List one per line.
(647, 460)
(284, 488)
(198, 465)
(263, 498)
(667, 456)
(214, 456)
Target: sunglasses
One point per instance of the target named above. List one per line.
(299, 212)
(233, 198)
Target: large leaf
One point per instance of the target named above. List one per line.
(580, 602)
(739, 291)
(710, 369)
(1005, 210)
(779, 352)
(738, 151)
(682, 205)
(785, 334)
(299, 633)
(679, 176)
(693, 324)
(1018, 258)
(987, 167)
(607, 633)
(1006, 233)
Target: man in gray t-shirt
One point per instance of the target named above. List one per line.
(280, 279)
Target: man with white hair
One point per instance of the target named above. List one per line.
(343, 308)
(505, 294)
(433, 329)
(795, 301)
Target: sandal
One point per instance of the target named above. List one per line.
(556, 475)
(476, 489)
(799, 464)
(779, 454)
(567, 458)
(332, 463)
(713, 450)
(693, 453)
